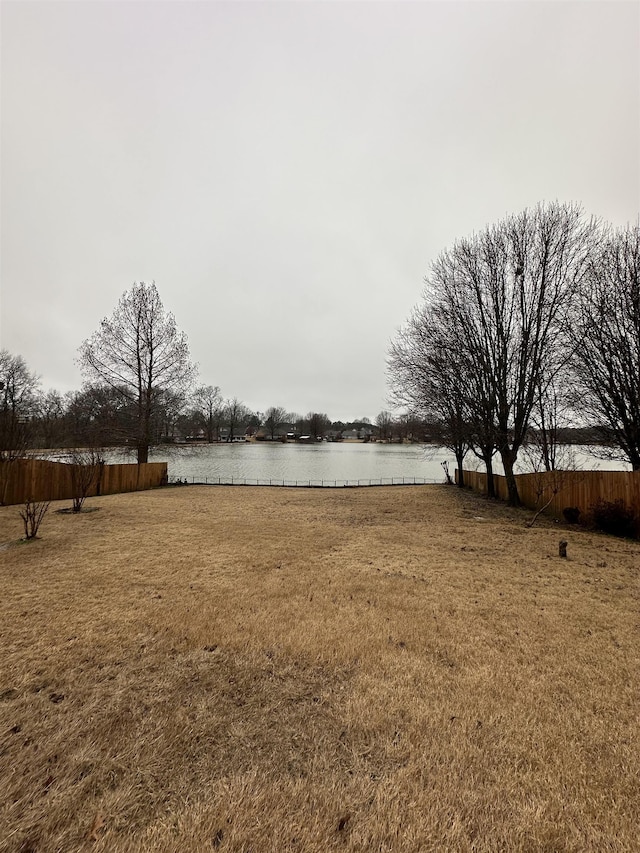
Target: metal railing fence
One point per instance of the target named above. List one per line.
(306, 484)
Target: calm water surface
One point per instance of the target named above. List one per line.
(323, 461)
(302, 462)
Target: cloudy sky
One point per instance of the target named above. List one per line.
(287, 171)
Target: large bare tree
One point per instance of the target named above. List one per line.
(207, 401)
(317, 423)
(427, 378)
(503, 296)
(18, 398)
(274, 417)
(606, 334)
(140, 354)
(384, 422)
(510, 289)
(49, 419)
(236, 415)
(18, 393)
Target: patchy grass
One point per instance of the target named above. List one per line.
(393, 669)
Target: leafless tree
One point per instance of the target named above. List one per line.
(86, 470)
(317, 423)
(427, 378)
(207, 400)
(170, 405)
(18, 391)
(49, 419)
(32, 514)
(235, 414)
(551, 413)
(274, 417)
(503, 297)
(139, 353)
(510, 289)
(18, 394)
(384, 422)
(99, 416)
(605, 330)
(549, 482)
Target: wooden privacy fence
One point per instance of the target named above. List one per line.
(41, 480)
(579, 489)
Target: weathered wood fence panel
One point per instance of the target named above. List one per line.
(579, 489)
(41, 480)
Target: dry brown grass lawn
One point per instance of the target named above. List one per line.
(394, 669)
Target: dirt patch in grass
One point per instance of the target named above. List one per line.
(67, 510)
(302, 670)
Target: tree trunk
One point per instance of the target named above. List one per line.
(460, 462)
(491, 486)
(508, 461)
(144, 436)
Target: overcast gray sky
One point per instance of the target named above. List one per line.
(287, 171)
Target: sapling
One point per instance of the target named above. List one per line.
(32, 515)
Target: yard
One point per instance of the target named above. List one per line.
(255, 669)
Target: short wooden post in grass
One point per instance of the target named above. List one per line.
(562, 552)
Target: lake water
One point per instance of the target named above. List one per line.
(291, 462)
(323, 462)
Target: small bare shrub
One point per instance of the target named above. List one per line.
(616, 518)
(32, 514)
(86, 471)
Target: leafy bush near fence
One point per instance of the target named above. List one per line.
(615, 517)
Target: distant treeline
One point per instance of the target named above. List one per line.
(102, 415)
